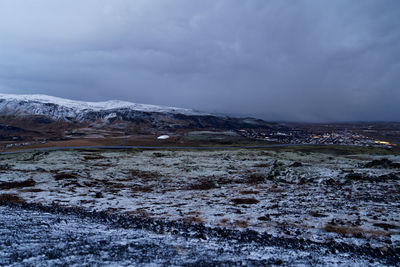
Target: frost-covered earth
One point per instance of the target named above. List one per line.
(39, 236)
(319, 195)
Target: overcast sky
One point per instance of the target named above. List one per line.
(278, 60)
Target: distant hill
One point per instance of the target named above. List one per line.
(55, 116)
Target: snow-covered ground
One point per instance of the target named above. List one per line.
(40, 237)
(286, 193)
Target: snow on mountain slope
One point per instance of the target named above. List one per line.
(60, 108)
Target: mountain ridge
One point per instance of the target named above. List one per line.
(31, 104)
(64, 117)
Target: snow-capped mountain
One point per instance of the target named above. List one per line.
(53, 117)
(66, 109)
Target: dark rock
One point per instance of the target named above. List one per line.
(42, 120)
(202, 236)
(99, 195)
(6, 166)
(239, 201)
(382, 163)
(256, 178)
(264, 218)
(386, 226)
(389, 176)
(330, 181)
(203, 185)
(357, 177)
(358, 235)
(61, 176)
(364, 177)
(10, 185)
(11, 198)
(317, 214)
(303, 181)
(296, 164)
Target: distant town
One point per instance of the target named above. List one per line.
(283, 136)
(296, 136)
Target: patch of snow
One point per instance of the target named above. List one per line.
(110, 116)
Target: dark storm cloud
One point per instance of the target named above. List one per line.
(290, 60)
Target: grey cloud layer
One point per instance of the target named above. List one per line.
(282, 60)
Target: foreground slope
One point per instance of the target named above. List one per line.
(60, 236)
(321, 194)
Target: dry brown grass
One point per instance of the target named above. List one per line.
(352, 231)
(193, 219)
(142, 189)
(202, 185)
(241, 224)
(256, 178)
(144, 174)
(274, 188)
(93, 157)
(224, 222)
(139, 212)
(86, 201)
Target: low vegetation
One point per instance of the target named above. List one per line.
(311, 192)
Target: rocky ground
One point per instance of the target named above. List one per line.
(34, 235)
(328, 195)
